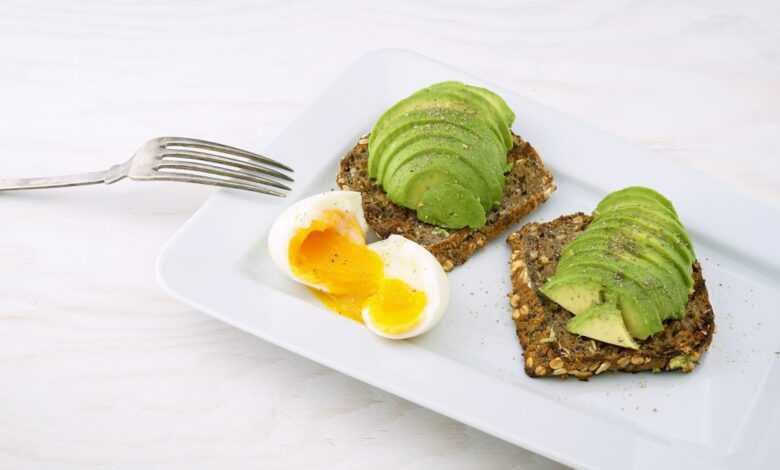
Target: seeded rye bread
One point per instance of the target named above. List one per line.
(528, 184)
(549, 349)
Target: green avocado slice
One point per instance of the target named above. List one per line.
(481, 148)
(403, 187)
(640, 312)
(492, 181)
(618, 240)
(631, 198)
(498, 103)
(410, 182)
(467, 127)
(638, 191)
(421, 105)
(635, 222)
(413, 134)
(574, 293)
(653, 287)
(493, 116)
(395, 123)
(450, 205)
(603, 322)
(663, 221)
(451, 144)
(426, 98)
(649, 249)
(659, 248)
(672, 293)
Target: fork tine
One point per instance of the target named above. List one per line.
(185, 178)
(205, 144)
(242, 176)
(223, 160)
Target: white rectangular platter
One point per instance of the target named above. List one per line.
(726, 414)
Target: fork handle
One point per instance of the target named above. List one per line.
(112, 175)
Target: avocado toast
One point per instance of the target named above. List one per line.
(528, 184)
(443, 168)
(550, 348)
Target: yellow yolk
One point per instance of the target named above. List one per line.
(351, 306)
(396, 307)
(332, 254)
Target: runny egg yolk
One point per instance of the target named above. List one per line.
(332, 254)
(396, 307)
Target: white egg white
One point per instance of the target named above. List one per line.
(410, 262)
(300, 216)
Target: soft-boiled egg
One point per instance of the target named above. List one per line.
(315, 231)
(414, 293)
(395, 286)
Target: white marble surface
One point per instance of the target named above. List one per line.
(100, 369)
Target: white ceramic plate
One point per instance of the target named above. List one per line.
(726, 414)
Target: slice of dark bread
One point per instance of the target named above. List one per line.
(528, 184)
(550, 350)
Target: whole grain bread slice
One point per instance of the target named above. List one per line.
(550, 350)
(528, 184)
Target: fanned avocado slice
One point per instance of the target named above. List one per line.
(426, 171)
(671, 293)
(575, 293)
(634, 257)
(424, 104)
(412, 112)
(645, 247)
(466, 126)
(448, 144)
(640, 312)
(659, 216)
(638, 191)
(616, 239)
(661, 249)
(490, 111)
(646, 279)
(450, 205)
(443, 160)
(380, 150)
(449, 140)
(476, 160)
(603, 322)
(421, 99)
(631, 198)
(413, 134)
(639, 223)
(498, 103)
(661, 219)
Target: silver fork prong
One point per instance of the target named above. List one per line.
(205, 144)
(222, 160)
(179, 159)
(185, 178)
(243, 176)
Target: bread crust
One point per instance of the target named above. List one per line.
(528, 184)
(550, 350)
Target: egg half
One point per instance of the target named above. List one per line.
(395, 286)
(414, 293)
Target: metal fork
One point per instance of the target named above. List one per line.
(180, 159)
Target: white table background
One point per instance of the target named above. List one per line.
(100, 369)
